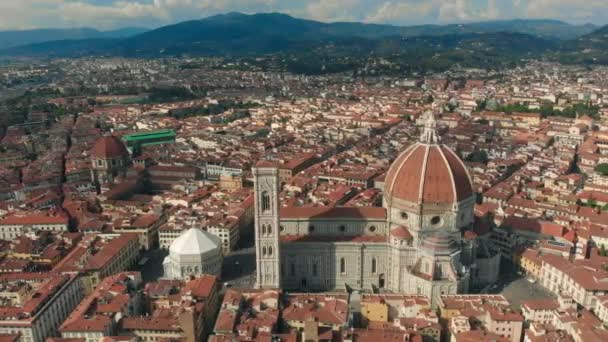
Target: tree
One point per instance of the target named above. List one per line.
(602, 169)
(478, 156)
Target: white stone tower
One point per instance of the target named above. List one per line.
(267, 247)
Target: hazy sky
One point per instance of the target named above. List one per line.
(107, 14)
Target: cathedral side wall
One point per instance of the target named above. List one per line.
(318, 266)
(335, 227)
(417, 217)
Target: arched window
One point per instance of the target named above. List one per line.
(342, 265)
(263, 229)
(265, 201)
(314, 269)
(263, 251)
(373, 265)
(269, 229)
(270, 251)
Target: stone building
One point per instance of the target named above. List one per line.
(413, 244)
(35, 304)
(109, 159)
(194, 253)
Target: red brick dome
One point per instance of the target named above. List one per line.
(428, 173)
(109, 147)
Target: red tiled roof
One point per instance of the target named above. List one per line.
(34, 218)
(401, 233)
(151, 323)
(428, 174)
(479, 336)
(540, 304)
(109, 147)
(200, 287)
(110, 250)
(534, 225)
(323, 310)
(333, 212)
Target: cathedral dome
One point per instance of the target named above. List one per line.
(109, 147)
(428, 172)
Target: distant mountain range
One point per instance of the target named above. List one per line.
(591, 48)
(548, 29)
(10, 39)
(237, 34)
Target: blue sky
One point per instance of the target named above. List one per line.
(108, 14)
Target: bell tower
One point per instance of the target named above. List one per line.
(267, 247)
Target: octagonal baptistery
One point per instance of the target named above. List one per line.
(193, 253)
(428, 187)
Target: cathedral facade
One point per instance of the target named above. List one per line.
(414, 244)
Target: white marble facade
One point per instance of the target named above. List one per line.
(415, 247)
(194, 253)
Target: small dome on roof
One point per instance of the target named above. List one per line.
(109, 147)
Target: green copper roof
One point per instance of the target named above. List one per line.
(159, 134)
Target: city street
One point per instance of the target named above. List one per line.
(152, 270)
(516, 288)
(521, 290)
(239, 268)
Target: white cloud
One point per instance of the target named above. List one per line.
(80, 13)
(587, 10)
(401, 12)
(333, 10)
(467, 10)
(115, 13)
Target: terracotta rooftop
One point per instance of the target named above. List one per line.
(428, 174)
(333, 213)
(109, 147)
(401, 232)
(35, 218)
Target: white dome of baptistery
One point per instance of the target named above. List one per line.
(195, 252)
(195, 242)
